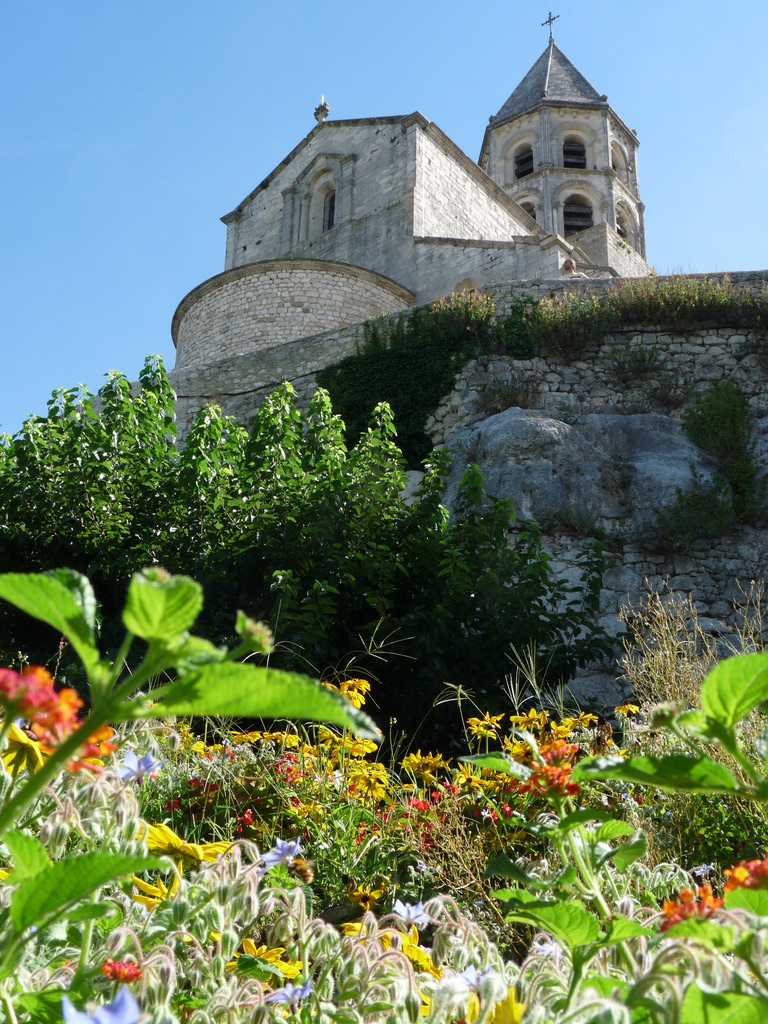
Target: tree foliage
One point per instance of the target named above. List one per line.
(294, 526)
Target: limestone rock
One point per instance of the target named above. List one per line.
(607, 468)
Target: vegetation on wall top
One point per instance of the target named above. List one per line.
(410, 361)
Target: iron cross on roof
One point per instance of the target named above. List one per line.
(550, 21)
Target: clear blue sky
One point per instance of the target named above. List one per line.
(130, 127)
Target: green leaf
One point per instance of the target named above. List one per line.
(249, 691)
(753, 900)
(28, 853)
(90, 911)
(255, 967)
(161, 608)
(80, 588)
(631, 851)
(735, 687)
(722, 1007)
(570, 922)
(42, 1007)
(193, 653)
(501, 866)
(62, 884)
(699, 724)
(582, 817)
(499, 762)
(622, 928)
(613, 829)
(674, 772)
(711, 934)
(51, 600)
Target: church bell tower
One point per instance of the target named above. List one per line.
(558, 149)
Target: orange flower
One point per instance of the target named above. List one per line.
(690, 904)
(30, 694)
(122, 970)
(748, 874)
(96, 746)
(551, 780)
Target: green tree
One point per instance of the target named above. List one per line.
(295, 526)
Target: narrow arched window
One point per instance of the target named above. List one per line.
(619, 163)
(625, 226)
(329, 210)
(523, 162)
(577, 215)
(530, 209)
(574, 152)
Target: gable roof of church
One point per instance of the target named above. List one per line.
(553, 77)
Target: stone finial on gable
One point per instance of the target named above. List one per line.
(322, 111)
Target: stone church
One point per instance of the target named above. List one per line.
(369, 216)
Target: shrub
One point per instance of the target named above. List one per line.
(720, 422)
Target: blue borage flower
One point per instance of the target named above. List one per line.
(290, 993)
(473, 978)
(135, 768)
(122, 1010)
(411, 914)
(284, 852)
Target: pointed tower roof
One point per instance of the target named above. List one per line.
(552, 77)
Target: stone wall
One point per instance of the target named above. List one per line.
(452, 198)
(240, 383)
(593, 383)
(266, 304)
(719, 575)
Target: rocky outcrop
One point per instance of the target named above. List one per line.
(606, 470)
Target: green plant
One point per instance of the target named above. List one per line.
(720, 422)
(522, 391)
(410, 362)
(684, 303)
(66, 891)
(634, 365)
(705, 510)
(567, 325)
(668, 391)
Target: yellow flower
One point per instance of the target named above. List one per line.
(22, 751)
(508, 1011)
(162, 840)
(153, 895)
(517, 749)
(583, 720)
(365, 897)
(4, 872)
(464, 776)
(627, 709)
(357, 747)
(309, 809)
(418, 955)
(355, 691)
(424, 766)
(369, 780)
(562, 730)
(245, 737)
(532, 719)
(487, 726)
(288, 968)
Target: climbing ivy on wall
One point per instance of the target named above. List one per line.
(410, 362)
